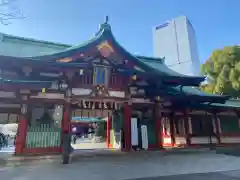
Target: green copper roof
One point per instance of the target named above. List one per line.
(158, 64)
(105, 35)
(228, 104)
(39, 84)
(194, 91)
(32, 40)
(75, 49)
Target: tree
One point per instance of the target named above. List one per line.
(222, 70)
(9, 11)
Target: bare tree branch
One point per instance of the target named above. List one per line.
(9, 11)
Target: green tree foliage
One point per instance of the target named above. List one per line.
(222, 70)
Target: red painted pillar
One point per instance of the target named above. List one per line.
(157, 121)
(127, 126)
(22, 128)
(172, 128)
(186, 126)
(21, 135)
(108, 136)
(158, 126)
(158, 132)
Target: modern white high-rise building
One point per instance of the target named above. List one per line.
(175, 40)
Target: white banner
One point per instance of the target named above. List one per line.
(144, 137)
(134, 131)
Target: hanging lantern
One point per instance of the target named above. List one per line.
(43, 90)
(69, 92)
(24, 109)
(158, 98)
(27, 70)
(54, 85)
(134, 77)
(81, 71)
(63, 85)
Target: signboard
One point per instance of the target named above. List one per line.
(134, 131)
(97, 105)
(137, 91)
(144, 134)
(81, 91)
(49, 96)
(141, 100)
(4, 94)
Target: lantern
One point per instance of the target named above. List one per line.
(81, 71)
(43, 90)
(134, 77)
(24, 109)
(158, 98)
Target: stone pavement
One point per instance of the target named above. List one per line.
(148, 166)
(226, 175)
(90, 145)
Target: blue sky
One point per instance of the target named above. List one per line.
(216, 22)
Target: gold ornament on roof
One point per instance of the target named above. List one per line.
(105, 49)
(105, 44)
(68, 59)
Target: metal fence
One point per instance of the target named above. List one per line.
(43, 136)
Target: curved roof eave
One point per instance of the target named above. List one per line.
(227, 104)
(193, 91)
(74, 49)
(105, 33)
(158, 63)
(146, 67)
(33, 83)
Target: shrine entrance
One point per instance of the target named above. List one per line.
(95, 125)
(9, 121)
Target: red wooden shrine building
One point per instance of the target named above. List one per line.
(102, 79)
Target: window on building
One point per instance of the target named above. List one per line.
(179, 126)
(3, 118)
(13, 118)
(229, 123)
(166, 126)
(100, 75)
(6, 118)
(201, 125)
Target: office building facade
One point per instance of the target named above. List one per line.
(175, 40)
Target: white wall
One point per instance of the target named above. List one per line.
(194, 49)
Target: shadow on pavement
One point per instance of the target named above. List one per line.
(232, 151)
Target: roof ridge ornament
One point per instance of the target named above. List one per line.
(106, 19)
(105, 25)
